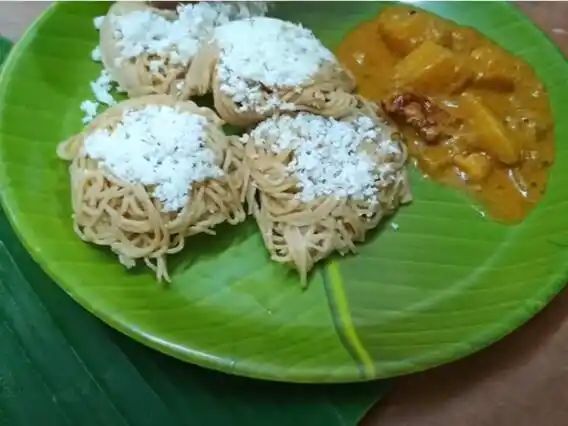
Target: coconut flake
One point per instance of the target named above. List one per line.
(90, 110)
(98, 22)
(96, 54)
(101, 88)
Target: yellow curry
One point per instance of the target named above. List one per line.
(473, 115)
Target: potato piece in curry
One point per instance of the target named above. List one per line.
(473, 115)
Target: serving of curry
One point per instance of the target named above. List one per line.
(472, 115)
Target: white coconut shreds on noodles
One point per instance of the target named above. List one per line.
(329, 155)
(261, 66)
(157, 146)
(149, 172)
(262, 52)
(318, 184)
(162, 42)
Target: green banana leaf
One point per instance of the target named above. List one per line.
(447, 283)
(59, 366)
(4, 49)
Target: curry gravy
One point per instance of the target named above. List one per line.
(473, 115)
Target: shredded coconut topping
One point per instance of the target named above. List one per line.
(90, 110)
(331, 158)
(157, 146)
(101, 88)
(260, 52)
(96, 54)
(178, 40)
(98, 22)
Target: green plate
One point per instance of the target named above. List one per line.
(446, 284)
